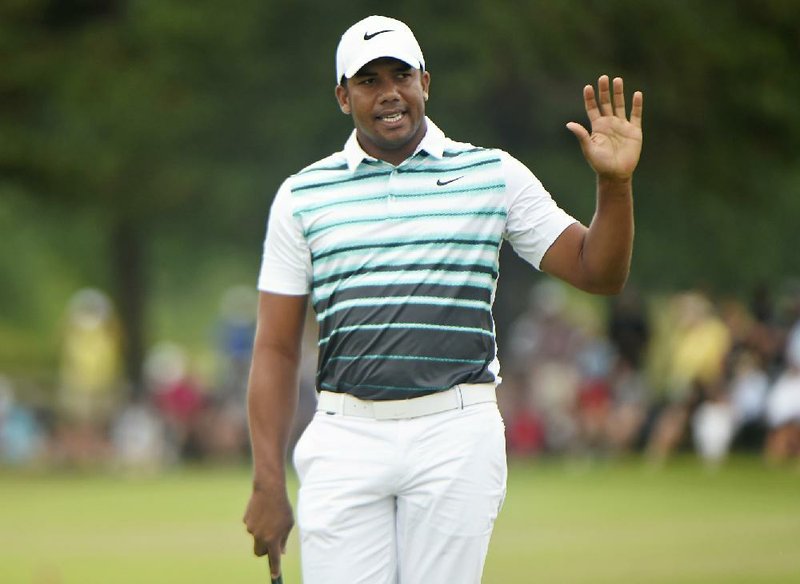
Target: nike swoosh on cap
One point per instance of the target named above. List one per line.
(441, 182)
(368, 36)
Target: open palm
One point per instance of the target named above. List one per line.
(615, 143)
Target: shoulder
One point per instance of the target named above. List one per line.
(333, 162)
(455, 149)
(320, 170)
(514, 173)
(467, 157)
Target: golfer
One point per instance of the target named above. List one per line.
(396, 240)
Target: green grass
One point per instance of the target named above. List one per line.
(560, 524)
(681, 524)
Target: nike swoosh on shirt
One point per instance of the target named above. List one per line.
(441, 182)
(368, 36)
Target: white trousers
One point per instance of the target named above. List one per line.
(400, 501)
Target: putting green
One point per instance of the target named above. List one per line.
(562, 523)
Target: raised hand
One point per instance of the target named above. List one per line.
(613, 147)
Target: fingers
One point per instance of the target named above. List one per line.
(259, 547)
(273, 550)
(269, 520)
(589, 102)
(274, 553)
(605, 95)
(636, 110)
(284, 539)
(610, 101)
(619, 98)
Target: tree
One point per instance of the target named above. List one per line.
(162, 116)
(140, 112)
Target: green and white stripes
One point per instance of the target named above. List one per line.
(404, 263)
(404, 300)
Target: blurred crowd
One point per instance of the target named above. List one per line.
(183, 412)
(631, 375)
(684, 372)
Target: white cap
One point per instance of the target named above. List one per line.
(373, 38)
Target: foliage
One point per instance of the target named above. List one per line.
(172, 122)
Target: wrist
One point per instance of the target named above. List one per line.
(614, 185)
(269, 479)
(615, 179)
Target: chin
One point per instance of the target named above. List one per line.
(398, 137)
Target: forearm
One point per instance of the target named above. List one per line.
(272, 401)
(612, 150)
(608, 243)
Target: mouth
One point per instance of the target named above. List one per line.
(392, 118)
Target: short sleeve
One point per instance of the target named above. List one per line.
(534, 219)
(286, 262)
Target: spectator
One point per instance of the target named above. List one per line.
(21, 436)
(525, 432)
(139, 437)
(629, 332)
(748, 389)
(236, 330)
(630, 403)
(628, 329)
(783, 407)
(595, 360)
(544, 346)
(712, 429)
(90, 377)
(695, 370)
(177, 395)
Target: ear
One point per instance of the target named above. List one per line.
(343, 97)
(425, 79)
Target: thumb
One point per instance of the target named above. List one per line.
(584, 138)
(580, 132)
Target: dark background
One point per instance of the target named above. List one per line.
(141, 142)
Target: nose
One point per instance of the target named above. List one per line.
(389, 91)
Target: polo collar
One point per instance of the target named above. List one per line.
(432, 143)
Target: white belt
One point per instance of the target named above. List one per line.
(455, 398)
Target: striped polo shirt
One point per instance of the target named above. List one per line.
(402, 261)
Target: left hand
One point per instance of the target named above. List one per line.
(613, 147)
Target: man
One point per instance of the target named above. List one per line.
(396, 237)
